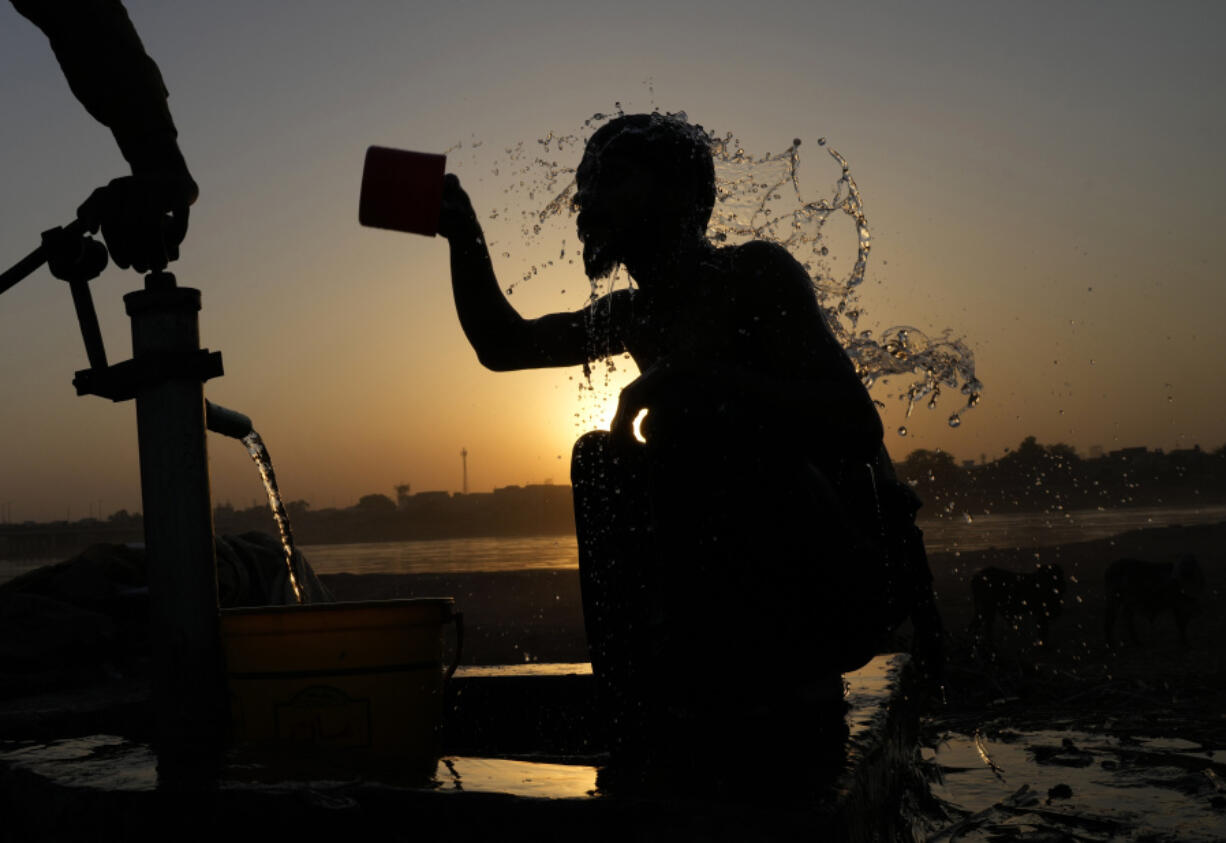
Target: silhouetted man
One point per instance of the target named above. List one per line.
(110, 73)
(723, 561)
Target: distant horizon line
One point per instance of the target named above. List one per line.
(94, 512)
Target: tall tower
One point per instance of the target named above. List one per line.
(464, 463)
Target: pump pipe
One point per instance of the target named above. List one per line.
(225, 421)
(190, 700)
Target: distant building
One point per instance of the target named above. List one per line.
(1187, 453)
(473, 500)
(428, 499)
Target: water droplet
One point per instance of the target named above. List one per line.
(954, 421)
(902, 430)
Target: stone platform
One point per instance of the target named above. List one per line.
(524, 762)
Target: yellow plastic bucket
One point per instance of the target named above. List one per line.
(352, 682)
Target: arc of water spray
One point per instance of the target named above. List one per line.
(750, 205)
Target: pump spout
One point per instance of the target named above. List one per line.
(225, 421)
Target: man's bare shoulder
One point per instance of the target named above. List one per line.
(762, 259)
(769, 269)
(766, 252)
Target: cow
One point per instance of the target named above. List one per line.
(1035, 597)
(1134, 585)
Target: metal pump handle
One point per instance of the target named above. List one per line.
(57, 236)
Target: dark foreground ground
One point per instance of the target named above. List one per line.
(1076, 674)
(56, 632)
(1018, 694)
(1074, 679)
(1076, 739)
(1071, 740)
(535, 616)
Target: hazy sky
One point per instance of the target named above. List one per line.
(1042, 178)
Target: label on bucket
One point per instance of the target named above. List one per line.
(324, 716)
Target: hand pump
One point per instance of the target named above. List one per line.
(165, 376)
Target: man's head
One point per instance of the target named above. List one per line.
(646, 182)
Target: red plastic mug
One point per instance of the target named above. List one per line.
(402, 190)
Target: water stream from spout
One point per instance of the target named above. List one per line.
(259, 453)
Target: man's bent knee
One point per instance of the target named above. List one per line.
(588, 456)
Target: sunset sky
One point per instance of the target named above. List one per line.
(1044, 179)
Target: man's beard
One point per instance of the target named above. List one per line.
(598, 261)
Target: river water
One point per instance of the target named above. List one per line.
(561, 552)
(552, 552)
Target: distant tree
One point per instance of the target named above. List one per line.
(376, 504)
(930, 466)
(123, 518)
(1024, 461)
(1029, 450)
(1031, 457)
(1042, 477)
(1063, 453)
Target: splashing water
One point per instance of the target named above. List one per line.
(761, 199)
(536, 184)
(259, 454)
(757, 198)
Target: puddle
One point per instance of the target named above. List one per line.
(103, 762)
(517, 778)
(112, 763)
(108, 763)
(1079, 785)
(528, 669)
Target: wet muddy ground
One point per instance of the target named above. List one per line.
(1078, 739)
(1147, 724)
(1001, 783)
(1073, 739)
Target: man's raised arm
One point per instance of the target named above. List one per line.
(503, 340)
(109, 71)
(111, 74)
